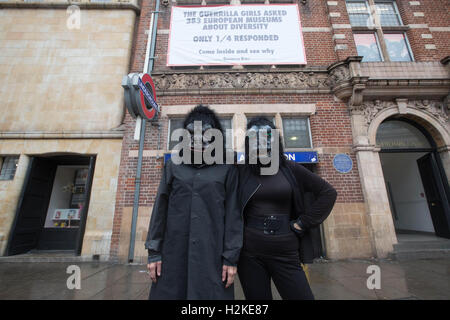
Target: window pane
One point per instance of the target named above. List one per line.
(397, 47)
(367, 46)
(270, 118)
(358, 13)
(396, 134)
(9, 167)
(174, 124)
(357, 6)
(296, 133)
(388, 15)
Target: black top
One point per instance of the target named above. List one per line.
(273, 197)
(312, 200)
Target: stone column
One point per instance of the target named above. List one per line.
(239, 128)
(279, 124)
(379, 217)
(381, 226)
(444, 151)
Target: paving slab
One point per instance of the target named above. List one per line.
(342, 280)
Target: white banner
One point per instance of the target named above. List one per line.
(235, 35)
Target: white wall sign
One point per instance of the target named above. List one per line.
(235, 35)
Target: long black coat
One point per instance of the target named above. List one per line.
(197, 227)
(312, 201)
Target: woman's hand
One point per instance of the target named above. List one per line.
(155, 270)
(295, 227)
(228, 273)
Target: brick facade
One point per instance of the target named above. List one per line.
(328, 39)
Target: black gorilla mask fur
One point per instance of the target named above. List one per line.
(267, 128)
(208, 119)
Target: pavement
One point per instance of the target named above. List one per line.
(342, 280)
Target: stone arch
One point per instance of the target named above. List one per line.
(432, 118)
(438, 132)
(367, 118)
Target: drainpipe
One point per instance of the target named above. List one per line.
(148, 68)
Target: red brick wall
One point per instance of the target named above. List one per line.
(436, 14)
(341, 20)
(151, 173)
(330, 126)
(140, 39)
(320, 46)
(414, 35)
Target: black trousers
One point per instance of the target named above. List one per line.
(256, 271)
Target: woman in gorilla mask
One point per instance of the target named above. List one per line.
(277, 216)
(195, 232)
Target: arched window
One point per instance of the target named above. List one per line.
(396, 134)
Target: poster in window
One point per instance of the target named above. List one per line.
(81, 176)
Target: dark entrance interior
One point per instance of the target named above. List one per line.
(415, 180)
(317, 235)
(52, 209)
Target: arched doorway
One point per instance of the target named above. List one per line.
(52, 210)
(415, 180)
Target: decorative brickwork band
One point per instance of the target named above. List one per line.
(273, 81)
(241, 80)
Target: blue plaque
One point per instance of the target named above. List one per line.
(342, 163)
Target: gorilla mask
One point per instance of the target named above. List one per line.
(197, 129)
(203, 142)
(263, 140)
(262, 146)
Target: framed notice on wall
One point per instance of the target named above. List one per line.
(235, 35)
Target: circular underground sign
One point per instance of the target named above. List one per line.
(140, 95)
(147, 108)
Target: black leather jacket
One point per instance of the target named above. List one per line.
(313, 199)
